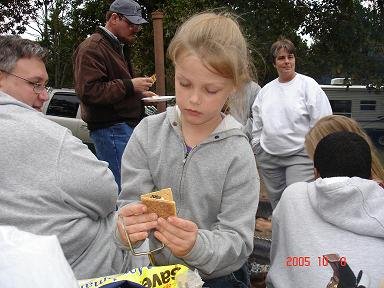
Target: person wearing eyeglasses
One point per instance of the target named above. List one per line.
(110, 94)
(29, 88)
(51, 183)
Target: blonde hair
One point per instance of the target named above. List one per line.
(215, 38)
(335, 123)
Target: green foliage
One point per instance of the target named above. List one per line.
(264, 22)
(15, 15)
(346, 36)
(346, 41)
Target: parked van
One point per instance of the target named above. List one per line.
(365, 104)
(63, 107)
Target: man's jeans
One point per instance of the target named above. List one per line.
(110, 143)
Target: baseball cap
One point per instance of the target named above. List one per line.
(130, 9)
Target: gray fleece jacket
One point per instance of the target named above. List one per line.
(215, 185)
(51, 184)
(333, 215)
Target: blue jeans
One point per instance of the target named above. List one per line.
(110, 143)
(237, 279)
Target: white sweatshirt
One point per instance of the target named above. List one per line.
(284, 112)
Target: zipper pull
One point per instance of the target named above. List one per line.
(185, 157)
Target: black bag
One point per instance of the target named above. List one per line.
(123, 284)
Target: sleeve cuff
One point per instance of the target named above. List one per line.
(129, 89)
(194, 256)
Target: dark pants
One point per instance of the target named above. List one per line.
(237, 279)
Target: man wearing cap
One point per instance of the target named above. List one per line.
(110, 96)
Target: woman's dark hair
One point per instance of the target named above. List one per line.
(281, 43)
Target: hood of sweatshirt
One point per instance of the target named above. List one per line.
(6, 99)
(353, 204)
(228, 127)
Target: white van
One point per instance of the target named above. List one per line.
(63, 107)
(365, 104)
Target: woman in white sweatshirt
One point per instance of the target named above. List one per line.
(283, 112)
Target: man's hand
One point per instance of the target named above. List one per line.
(135, 222)
(148, 94)
(178, 234)
(142, 84)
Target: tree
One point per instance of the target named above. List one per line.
(343, 34)
(264, 22)
(347, 35)
(15, 15)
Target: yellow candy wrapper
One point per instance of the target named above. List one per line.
(159, 277)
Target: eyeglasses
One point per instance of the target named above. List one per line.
(37, 87)
(135, 27)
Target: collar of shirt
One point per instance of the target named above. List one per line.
(113, 37)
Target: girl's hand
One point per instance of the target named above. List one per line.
(135, 222)
(178, 234)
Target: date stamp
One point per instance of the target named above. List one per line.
(307, 261)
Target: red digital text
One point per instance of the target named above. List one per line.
(307, 261)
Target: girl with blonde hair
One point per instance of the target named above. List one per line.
(202, 155)
(335, 123)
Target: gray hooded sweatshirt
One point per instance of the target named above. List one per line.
(332, 215)
(215, 185)
(51, 184)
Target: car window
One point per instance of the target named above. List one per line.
(63, 104)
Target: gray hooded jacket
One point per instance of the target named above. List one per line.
(332, 215)
(215, 185)
(51, 184)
